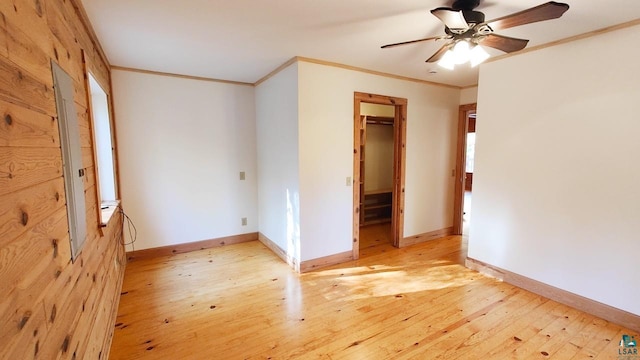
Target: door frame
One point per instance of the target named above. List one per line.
(399, 154)
(461, 158)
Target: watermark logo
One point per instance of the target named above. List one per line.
(628, 349)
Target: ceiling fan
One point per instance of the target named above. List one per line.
(466, 28)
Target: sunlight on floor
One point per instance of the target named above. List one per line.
(380, 280)
(352, 270)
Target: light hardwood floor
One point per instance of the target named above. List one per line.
(242, 302)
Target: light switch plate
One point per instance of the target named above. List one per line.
(242, 175)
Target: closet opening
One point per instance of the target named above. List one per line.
(379, 152)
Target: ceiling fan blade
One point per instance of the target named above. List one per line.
(504, 43)
(547, 11)
(453, 19)
(412, 41)
(438, 54)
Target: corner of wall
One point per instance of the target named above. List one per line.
(469, 95)
(278, 160)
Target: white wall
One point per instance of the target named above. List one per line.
(377, 110)
(556, 195)
(378, 167)
(469, 95)
(182, 145)
(378, 158)
(278, 171)
(326, 154)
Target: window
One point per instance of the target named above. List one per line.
(103, 149)
(471, 154)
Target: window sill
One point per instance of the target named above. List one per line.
(108, 208)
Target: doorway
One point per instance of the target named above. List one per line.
(464, 169)
(378, 193)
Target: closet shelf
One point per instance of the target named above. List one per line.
(376, 206)
(375, 192)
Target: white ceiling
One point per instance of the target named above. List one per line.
(243, 40)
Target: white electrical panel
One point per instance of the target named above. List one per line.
(71, 158)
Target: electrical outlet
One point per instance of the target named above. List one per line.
(242, 176)
(244, 221)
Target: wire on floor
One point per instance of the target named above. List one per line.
(131, 227)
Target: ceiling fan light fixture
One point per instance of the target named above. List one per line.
(448, 60)
(465, 27)
(461, 52)
(477, 55)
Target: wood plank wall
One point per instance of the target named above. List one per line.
(50, 307)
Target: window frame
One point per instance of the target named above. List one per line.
(106, 208)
